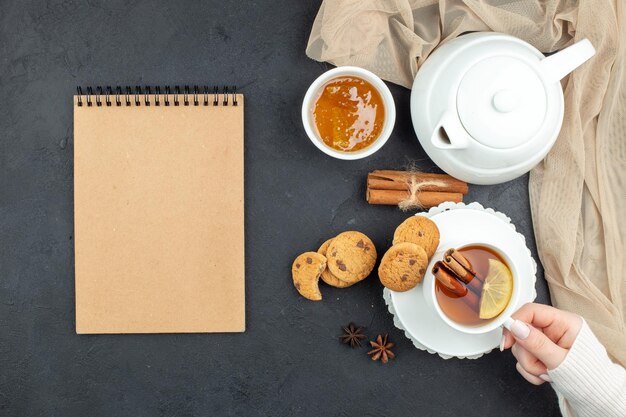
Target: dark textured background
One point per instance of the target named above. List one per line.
(289, 361)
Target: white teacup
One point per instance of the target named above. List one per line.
(502, 320)
(315, 89)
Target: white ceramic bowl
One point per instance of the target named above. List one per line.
(315, 89)
(431, 297)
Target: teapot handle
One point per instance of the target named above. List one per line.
(449, 133)
(558, 65)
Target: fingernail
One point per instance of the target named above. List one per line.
(507, 324)
(502, 343)
(545, 377)
(520, 330)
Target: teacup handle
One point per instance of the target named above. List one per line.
(449, 133)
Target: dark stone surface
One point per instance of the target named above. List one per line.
(289, 361)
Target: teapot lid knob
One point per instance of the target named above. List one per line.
(505, 101)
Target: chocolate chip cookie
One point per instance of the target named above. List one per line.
(328, 276)
(403, 266)
(419, 230)
(351, 256)
(306, 271)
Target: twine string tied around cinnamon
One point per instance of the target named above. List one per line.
(415, 186)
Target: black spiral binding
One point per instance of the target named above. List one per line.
(204, 97)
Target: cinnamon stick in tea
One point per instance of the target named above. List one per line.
(425, 199)
(462, 273)
(462, 260)
(448, 280)
(402, 180)
(454, 287)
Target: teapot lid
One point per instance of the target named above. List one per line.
(501, 102)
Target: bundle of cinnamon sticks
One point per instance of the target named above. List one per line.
(413, 189)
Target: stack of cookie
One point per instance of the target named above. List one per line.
(414, 243)
(341, 262)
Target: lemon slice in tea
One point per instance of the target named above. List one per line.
(497, 290)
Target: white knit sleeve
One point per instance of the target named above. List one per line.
(588, 381)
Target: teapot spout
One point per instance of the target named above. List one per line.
(558, 65)
(449, 132)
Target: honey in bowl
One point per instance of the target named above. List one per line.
(348, 114)
(473, 285)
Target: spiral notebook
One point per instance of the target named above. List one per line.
(159, 210)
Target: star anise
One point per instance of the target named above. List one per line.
(352, 335)
(381, 349)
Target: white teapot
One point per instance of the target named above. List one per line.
(487, 107)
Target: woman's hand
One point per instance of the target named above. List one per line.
(540, 338)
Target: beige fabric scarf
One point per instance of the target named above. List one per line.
(577, 193)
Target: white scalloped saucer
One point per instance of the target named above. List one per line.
(459, 225)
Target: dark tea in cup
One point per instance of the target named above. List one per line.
(473, 284)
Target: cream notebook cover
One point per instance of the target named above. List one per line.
(159, 212)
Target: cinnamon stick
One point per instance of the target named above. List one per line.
(458, 257)
(448, 281)
(463, 274)
(402, 180)
(453, 287)
(425, 199)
